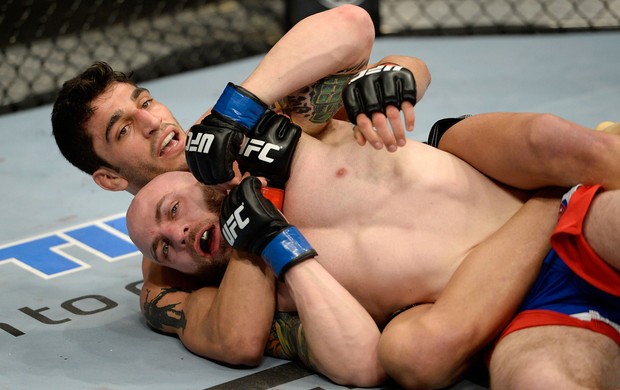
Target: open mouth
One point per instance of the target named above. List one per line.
(206, 241)
(169, 142)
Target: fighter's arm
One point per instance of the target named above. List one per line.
(528, 150)
(338, 40)
(167, 309)
(228, 324)
(341, 336)
(385, 127)
(334, 43)
(431, 345)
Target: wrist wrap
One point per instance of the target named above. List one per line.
(286, 249)
(240, 105)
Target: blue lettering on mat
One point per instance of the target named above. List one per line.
(44, 256)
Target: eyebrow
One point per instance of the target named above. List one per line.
(118, 113)
(157, 222)
(113, 119)
(137, 92)
(158, 208)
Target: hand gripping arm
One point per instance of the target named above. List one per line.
(252, 224)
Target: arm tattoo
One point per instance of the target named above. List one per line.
(167, 315)
(320, 101)
(287, 340)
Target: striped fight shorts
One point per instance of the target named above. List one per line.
(575, 286)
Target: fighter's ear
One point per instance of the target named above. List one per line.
(109, 180)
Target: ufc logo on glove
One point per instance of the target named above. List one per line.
(229, 230)
(251, 145)
(376, 69)
(201, 143)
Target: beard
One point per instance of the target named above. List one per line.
(213, 198)
(211, 271)
(141, 175)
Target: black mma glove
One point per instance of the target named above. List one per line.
(271, 140)
(269, 150)
(251, 223)
(372, 90)
(212, 146)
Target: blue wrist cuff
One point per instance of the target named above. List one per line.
(239, 107)
(287, 248)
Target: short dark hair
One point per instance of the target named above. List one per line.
(73, 108)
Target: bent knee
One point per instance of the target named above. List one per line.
(543, 131)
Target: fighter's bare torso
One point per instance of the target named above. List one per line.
(391, 227)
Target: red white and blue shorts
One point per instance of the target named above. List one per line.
(575, 286)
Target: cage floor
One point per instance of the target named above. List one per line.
(69, 275)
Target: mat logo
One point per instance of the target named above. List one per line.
(48, 256)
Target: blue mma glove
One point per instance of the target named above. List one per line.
(251, 223)
(212, 146)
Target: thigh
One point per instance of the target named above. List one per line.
(546, 357)
(494, 134)
(527, 150)
(601, 227)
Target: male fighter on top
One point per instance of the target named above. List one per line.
(393, 229)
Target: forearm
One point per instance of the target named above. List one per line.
(431, 345)
(337, 41)
(162, 297)
(326, 43)
(341, 336)
(228, 324)
(233, 326)
(487, 288)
